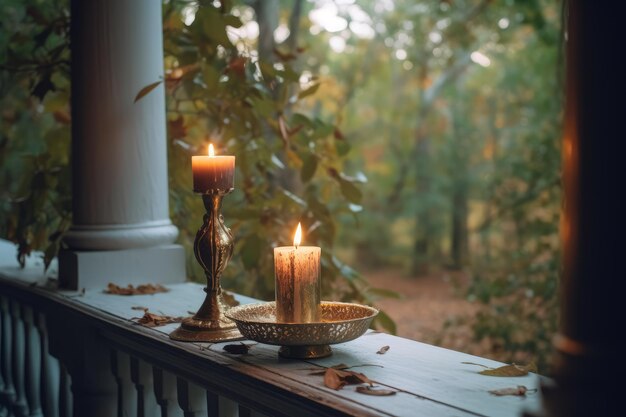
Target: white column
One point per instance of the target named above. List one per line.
(121, 228)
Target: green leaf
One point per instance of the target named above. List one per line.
(311, 90)
(350, 191)
(146, 90)
(211, 77)
(213, 25)
(308, 167)
(290, 75)
(50, 253)
(264, 107)
(234, 21)
(267, 70)
(385, 322)
(342, 147)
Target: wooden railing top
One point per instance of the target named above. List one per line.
(430, 380)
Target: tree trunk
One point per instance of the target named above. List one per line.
(423, 219)
(459, 239)
(294, 26)
(267, 12)
(460, 247)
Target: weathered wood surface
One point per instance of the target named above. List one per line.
(429, 380)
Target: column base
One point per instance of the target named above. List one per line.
(164, 264)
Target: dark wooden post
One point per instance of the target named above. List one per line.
(592, 223)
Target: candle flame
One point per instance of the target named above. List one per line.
(297, 239)
(211, 150)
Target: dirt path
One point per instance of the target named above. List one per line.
(429, 306)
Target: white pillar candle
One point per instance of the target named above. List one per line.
(212, 172)
(297, 273)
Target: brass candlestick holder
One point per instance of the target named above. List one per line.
(213, 248)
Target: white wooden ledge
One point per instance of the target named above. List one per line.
(431, 381)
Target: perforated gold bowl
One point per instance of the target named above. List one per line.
(341, 322)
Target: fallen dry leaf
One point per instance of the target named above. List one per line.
(337, 378)
(154, 320)
(378, 392)
(519, 391)
(383, 350)
(342, 366)
(139, 290)
(510, 370)
(477, 364)
(322, 371)
(240, 349)
(332, 379)
(506, 370)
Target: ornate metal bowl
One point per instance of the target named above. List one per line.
(341, 322)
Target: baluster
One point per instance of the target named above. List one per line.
(126, 394)
(213, 404)
(165, 393)
(246, 412)
(87, 356)
(32, 362)
(8, 390)
(191, 398)
(20, 406)
(141, 376)
(50, 372)
(218, 406)
(226, 407)
(66, 402)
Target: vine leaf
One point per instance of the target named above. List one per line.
(146, 90)
(309, 166)
(309, 91)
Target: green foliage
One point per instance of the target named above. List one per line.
(462, 159)
(444, 139)
(34, 128)
(218, 91)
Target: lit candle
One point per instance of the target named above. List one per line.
(297, 273)
(213, 172)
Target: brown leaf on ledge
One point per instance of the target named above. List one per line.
(506, 370)
(155, 320)
(131, 290)
(383, 350)
(377, 392)
(342, 367)
(337, 378)
(322, 371)
(519, 391)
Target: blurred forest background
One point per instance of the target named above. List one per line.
(418, 142)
